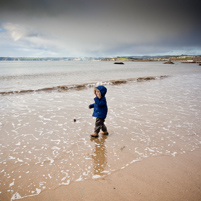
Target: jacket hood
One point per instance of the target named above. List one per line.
(102, 89)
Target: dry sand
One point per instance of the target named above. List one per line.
(164, 178)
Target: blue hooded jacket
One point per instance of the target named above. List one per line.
(100, 105)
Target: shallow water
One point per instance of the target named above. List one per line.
(42, 147)
(26, 76)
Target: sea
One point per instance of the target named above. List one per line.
(154, 109)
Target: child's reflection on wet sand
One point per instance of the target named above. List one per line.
(100, 155)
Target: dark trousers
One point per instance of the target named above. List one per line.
(99, 125)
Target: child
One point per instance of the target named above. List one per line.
(100, 110)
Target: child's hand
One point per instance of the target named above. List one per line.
(89, 108)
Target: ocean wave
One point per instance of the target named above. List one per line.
(86, 85)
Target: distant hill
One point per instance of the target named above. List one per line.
(180, 58)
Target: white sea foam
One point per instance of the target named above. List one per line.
(11, 157)
(65, 183)
(96, 176)
(11, 184)
(16, 196)
(80, 179)
(56, 148)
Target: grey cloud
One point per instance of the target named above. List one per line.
(105, 27)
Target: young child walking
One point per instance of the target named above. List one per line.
(100, 110)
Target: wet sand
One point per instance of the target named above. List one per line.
(154, 131)
(155, 178)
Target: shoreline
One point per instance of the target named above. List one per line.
(84, 85)
(154, 178)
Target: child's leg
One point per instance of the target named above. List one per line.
(99, 125)
(104, 128)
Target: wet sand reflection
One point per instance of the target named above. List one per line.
(99, 156)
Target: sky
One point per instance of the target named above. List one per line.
(99, 28)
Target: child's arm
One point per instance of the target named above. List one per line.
(91, 106)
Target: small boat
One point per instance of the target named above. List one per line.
(118, 62)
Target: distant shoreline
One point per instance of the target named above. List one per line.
(181, 58)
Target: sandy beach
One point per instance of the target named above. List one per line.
(157, 178)
(152, 151)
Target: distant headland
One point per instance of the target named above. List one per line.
(166, 59)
